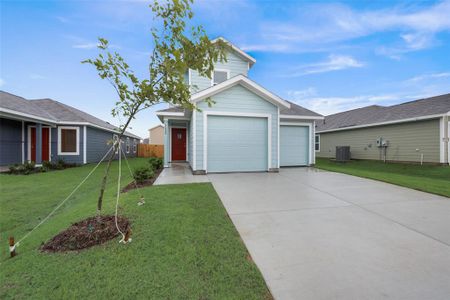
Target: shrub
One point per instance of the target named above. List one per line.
(46, 166)
(156, 163)
(141, 174)
(28, 167)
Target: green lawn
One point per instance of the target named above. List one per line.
(428, 178)
(184, 245)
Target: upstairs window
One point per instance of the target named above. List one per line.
(68, 140)
(317, 142)
(220, 76)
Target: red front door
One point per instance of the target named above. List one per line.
(45, 141)
(178, 144)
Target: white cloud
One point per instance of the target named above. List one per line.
(86, 46)
(428, 76)
(62, 19)
(317, 25)
(2, 82)
(334, 63)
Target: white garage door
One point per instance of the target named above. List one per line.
(294, 146)
(236, 144)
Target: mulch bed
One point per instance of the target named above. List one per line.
(86, 233)
(148, 182)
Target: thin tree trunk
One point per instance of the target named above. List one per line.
(105, 177)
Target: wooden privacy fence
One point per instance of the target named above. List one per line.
(145, 150)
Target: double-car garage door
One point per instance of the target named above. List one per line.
(240, 144)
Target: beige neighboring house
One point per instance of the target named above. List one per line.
(414, 131)
(156, 135)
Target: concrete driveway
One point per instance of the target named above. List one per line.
(323, 235)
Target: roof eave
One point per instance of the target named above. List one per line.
(385, 123)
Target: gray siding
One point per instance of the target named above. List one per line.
(10, 142)
(403, 139)
(234, 64)
(97, 144)
(77, 159)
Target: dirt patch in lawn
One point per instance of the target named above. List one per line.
(86, 233)
(149, 182)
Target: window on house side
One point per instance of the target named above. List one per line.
(317, 142)
(128, 145)
(68, 138)
(219, 76)
(134, 146)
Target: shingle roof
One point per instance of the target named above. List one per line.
(297, 110)
(19, 104)
(53, 110)
(377, 114)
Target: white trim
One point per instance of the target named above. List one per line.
(441, 140)
(77, 152)
(219, 70)
(316, 134)
(299, 117)
(84, 144)
(247, 83)
(53, 123)
(32, 117)
(239, 51)
(236, 114)
(194, 140)
(310, 130)
(278, 138)
(384, 123)
(189, 78)
(23, 142)
(49, 142)
(170, 114)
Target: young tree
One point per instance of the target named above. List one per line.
(176, 49)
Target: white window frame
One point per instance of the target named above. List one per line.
(127, 145)
(318, 143)
(219, 70)
(134, 146)
(77, 152)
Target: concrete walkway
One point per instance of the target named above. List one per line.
(179, 173)
(323, 235)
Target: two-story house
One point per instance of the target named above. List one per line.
(247, 129)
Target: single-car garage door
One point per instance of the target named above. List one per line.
(294, 145)
(236, 144)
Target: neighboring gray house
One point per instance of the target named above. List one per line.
(47, 130)
(410, 132)
(247, 129)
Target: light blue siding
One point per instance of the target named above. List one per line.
(234, 64)
(237, 144)
(239, 100)
(294, 146)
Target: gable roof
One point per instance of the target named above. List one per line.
(288, 110)
(52, 111)
(245, 82)
(238, 51)
(374, 115)
(297, 112)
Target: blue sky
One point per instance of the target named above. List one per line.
(326, 56)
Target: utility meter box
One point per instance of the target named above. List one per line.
(379, 142)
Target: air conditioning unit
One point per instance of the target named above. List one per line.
(342, 153)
